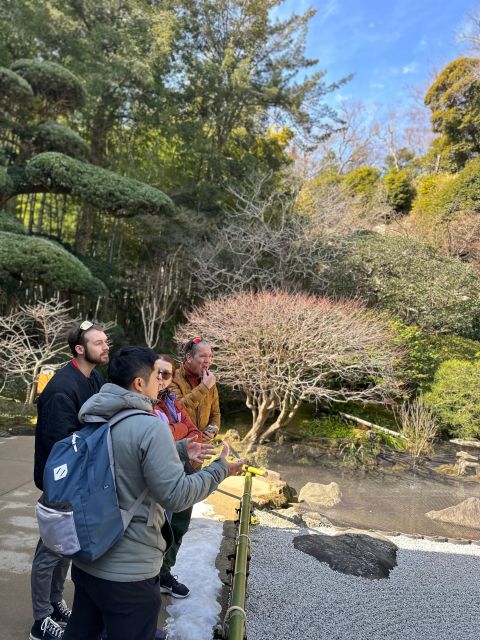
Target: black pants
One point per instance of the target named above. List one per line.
(179, 522)
(127, 610)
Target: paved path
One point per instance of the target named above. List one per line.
(18, 536)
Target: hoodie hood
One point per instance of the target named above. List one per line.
(110, 400)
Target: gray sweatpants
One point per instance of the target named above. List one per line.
(49, 571)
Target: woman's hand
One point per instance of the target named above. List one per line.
(199, 452)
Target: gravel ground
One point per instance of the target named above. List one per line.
(433, 593)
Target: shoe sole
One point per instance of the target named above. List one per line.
(170, 593)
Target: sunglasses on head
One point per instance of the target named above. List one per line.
(197, 340)
(84, 326)
(166, 375)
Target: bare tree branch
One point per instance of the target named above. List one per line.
(280, 349)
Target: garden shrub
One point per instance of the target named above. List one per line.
(37, 260)
(455, 396)
(59, 87)
(53, 136)
(411, 280)
(423, 353)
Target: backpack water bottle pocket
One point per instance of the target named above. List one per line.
(57, 527)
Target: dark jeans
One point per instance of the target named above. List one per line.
(179, 522)
(49, 571)
(127, 610)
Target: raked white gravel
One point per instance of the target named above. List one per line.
(433, 593)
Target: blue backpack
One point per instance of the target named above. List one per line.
(78, 513)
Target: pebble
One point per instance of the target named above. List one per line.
(432, 593)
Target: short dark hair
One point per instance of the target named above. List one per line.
(76, 335)
(167, 358)
(129, 363)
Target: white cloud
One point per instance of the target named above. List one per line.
(409, 68)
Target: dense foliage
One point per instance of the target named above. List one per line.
(411, 280)
(455, 396)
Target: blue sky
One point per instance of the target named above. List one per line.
(391, 46)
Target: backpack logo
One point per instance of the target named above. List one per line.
(60, 472)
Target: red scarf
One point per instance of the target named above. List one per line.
(192, 378)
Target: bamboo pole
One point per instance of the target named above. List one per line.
(373, 426)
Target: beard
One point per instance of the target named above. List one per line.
(101, 359)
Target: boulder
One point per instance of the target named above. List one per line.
(320, 495)
(465, 442)
(313, 519)
(351, 553)
(463, 455)
(465, 514)
(304, 451)
(232, 435)
(266, 492)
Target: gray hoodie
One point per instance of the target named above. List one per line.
(145, 455)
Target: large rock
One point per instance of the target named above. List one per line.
(466, 442)
(463, 455)
(266, 492)
(465, 514)
(304, 451)
(320, 495)
(351, 553)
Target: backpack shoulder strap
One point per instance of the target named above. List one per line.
(115, 419)
(126, 413)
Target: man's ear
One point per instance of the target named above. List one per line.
(137, 385)
(188, 357)
(79, 350)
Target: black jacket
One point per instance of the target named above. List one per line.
(58, 407)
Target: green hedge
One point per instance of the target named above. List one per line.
(455, 396)
(8, 222)
(32, 259)
(52, 82)
(53, 136)
(103, 189)
(411, 280)
(14, 90)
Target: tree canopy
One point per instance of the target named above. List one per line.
(411, 280)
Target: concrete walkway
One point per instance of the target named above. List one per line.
(18, 536)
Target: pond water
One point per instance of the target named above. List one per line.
(388, 502)
(376, 500)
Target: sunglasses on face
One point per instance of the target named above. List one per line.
(166, 375)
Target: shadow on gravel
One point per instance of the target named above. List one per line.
(354, 554)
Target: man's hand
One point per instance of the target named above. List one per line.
(234, 468)
(208, 436)
(208, 378)
(199, 452)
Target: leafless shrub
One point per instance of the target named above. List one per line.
(30, 337)
(280, 349)
(419, 426)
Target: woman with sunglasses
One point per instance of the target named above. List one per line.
(171, 411)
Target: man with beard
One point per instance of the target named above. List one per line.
(57, 409)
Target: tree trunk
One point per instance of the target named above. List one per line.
(261, 411)
(288, 410)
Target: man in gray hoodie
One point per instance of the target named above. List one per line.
(120, 591)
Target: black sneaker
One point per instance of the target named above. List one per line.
(61, 613)
(169, 584)
(46, 629)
